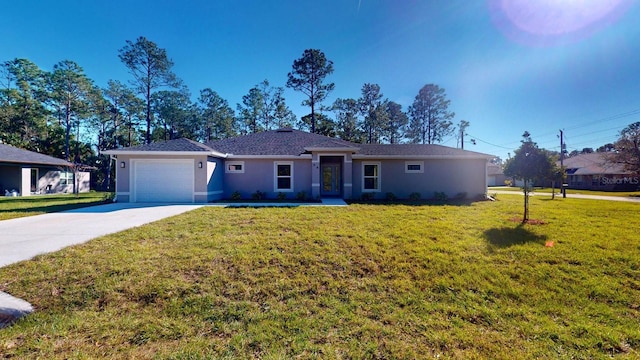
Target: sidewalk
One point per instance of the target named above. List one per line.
(570, 195)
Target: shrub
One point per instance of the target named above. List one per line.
(460, 196)
(282, 196)
(367, 196)
(236, 195)
(258, 195)
(508, 182)
(391, 196)
(440, 196)
(415, 196)
(302, 196)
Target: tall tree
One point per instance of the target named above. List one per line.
(23, 112)
(251, 110)
(151, 69)
(307, 76)
(374, 112)
(430, 115)
(175, 115)
(324, 124)
(71, 97)
(218, 118)
(397, 121)
(627, 149)
(529, 164)
(347, 121)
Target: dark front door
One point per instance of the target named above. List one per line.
(330, 180)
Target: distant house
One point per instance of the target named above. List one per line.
(24, 172)
(495, 175)
(594, 172)
(291, 163)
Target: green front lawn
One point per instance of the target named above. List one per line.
(21, 206)
(364, 281)
(569, 191)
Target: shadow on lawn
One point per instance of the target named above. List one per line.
(506, 237)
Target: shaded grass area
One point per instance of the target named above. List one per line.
(377, 282)
(15, 207)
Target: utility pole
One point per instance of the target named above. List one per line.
(462, 138)
(564, 188)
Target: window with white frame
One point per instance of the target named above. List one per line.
(283, 171)
(371, 176)
(414, 167)
(234, 167)
(66, 178)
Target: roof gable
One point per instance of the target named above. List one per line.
(10, 154)
(592, 164)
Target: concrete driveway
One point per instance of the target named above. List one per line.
(23, 238)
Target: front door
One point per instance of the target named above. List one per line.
(330, 180)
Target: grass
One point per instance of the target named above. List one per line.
(15, 207)
(570, 191)
(364, 281)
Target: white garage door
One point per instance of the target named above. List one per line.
(162, 180)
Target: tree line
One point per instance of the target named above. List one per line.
(63, 113)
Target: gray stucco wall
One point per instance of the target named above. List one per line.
(48, 182)
(440, 175)
(259, 175)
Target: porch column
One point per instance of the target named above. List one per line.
(25, 182)
(347, 169)
(315, 176)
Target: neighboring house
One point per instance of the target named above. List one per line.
(293, 164)
(26, 173)
(594, 172)
(495, 176)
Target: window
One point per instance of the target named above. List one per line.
(414, 167)
(283, 176)
(235, 167)
(370, 176)
(66, 178)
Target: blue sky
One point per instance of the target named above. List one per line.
(507, 65)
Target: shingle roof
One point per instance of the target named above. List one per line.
(416, 150)
(278, 142)
(591, 164)
(178, 145)
(10, 154)
(289, 142)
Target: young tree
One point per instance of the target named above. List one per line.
(347, 121)
(218, 118)
(151, 69)
(430, 115)
(529, 164)
(397, 121)
(308, 75)
(627, 149)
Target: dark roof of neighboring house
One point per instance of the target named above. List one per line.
(278, 142)
(591, 164)
(494, 169)
(10, 154)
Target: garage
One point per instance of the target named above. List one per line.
(162, 180)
